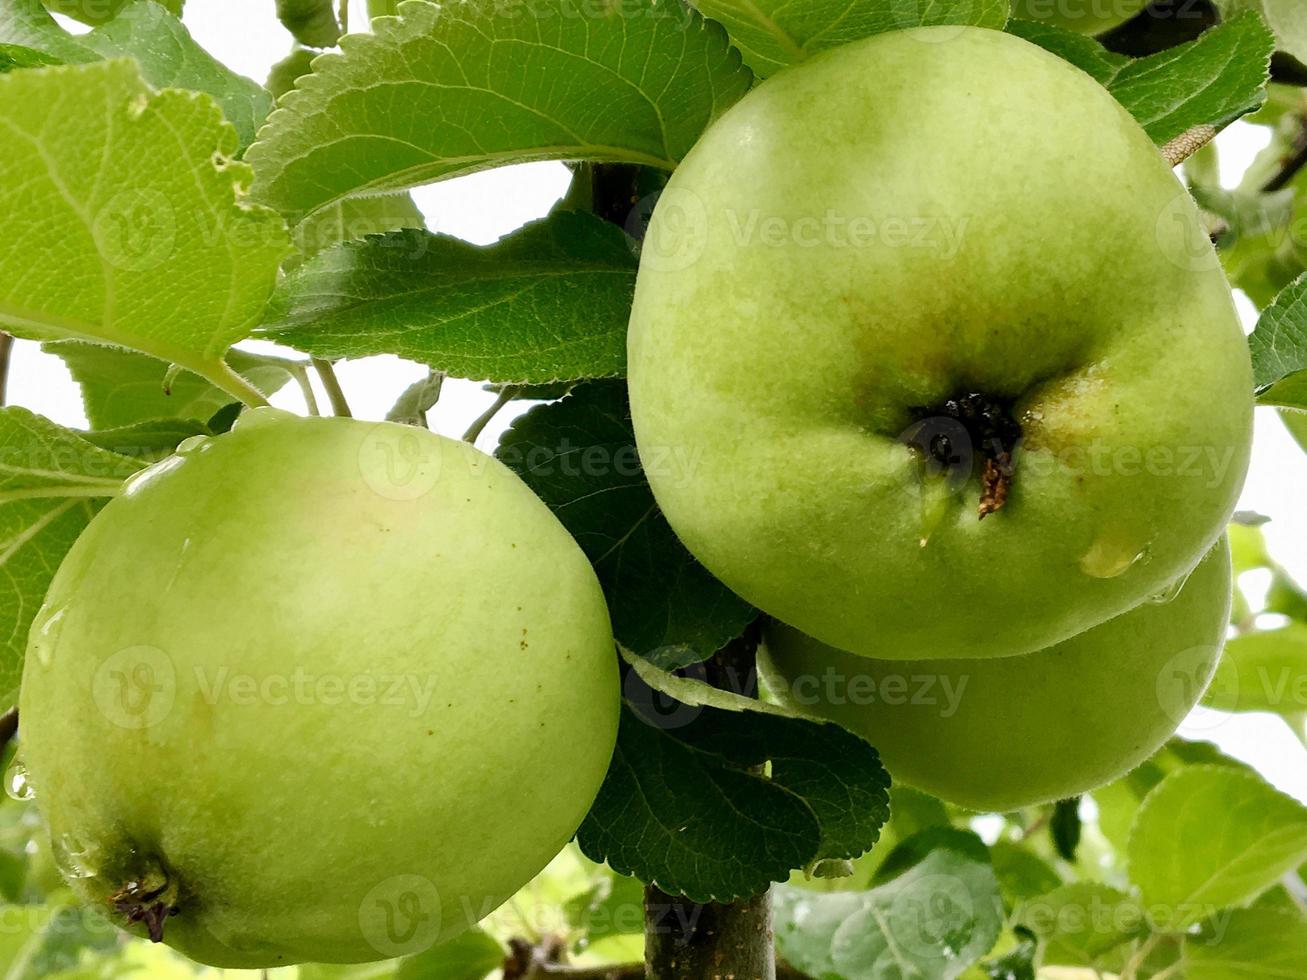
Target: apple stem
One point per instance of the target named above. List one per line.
(335, 393)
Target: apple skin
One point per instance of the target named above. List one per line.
(287, 822)
(1082, 16)
(773, 377)
(1010, 732)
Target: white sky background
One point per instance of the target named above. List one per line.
(245, 35)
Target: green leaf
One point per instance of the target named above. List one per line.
(1249, 944)
(99, 11)
(354, 219)
(1287, 18)
(1022, 874)
(133, 199)
(121, 388)
(147, 441)
(416, 400)
(1017, 963)
(447, 90)
(469, 956)
(579, 456)
(686, 804)
(934, 920)
(14, 56)
(1079, 923)
(167, 55)
(1211, 837)
(1263, 671)
(51, 483)
(1208, 82)
(773, 33)
(312, 22)
(1279, 349)
(549, 303)
(611, 908)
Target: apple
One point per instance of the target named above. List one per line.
(920, 368)
(1082, 16)
(317, 690)
(1009, 732)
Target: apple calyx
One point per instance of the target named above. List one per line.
(149, 899)
(951, 435)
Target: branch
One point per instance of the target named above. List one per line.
(336, 394)
(1292, 166)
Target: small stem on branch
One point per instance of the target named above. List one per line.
(301, 375)
(336, 394)
(505, 396)
(6, 350)
(1292, 166)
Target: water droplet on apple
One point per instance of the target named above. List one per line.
(71, 857)
(194, 444)
(18, 785)
(45, 634)
(1111, 556)
(137, 481)
(252, 417)
(1171, 591)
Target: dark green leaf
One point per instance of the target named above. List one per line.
(579, 456)
(14, 56)
(1064, 828)
(549, 303)
(687, 806)
(1209, 82)
(446, 90)
(313, 22)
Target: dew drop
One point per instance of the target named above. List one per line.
(194, 444)
(1171, 591)
(45, 635)
(18, 785)
(1111, 556)
(71, 857)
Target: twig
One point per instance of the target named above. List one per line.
(1292, 166)
(506, 395)
(6, 349)
(339, 406)
(620, 971)
(343, 17)
(301, 375)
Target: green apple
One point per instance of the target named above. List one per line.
(1009, 732)
(1082, 16)
(920, 369)
(317, 689)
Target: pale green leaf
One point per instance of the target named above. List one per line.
(416, 400)
(127, 227)
(163, 49)
(51, 483)
(1208, 82)
(1287, 18)
(549, 303)
(451, 89)
(1211, 837)
(774, 33)
(1263, 671)
(99, 11)
(1079, 923)
(312, 22)
(1251, 944)
(120, 387)
(1279, 349)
